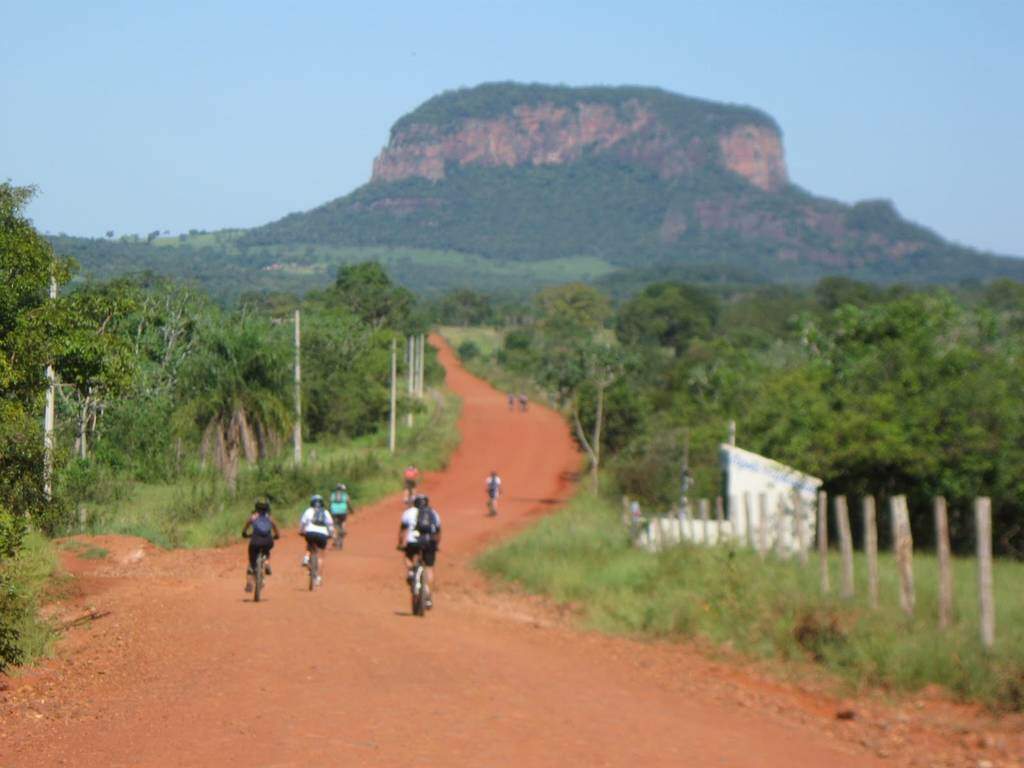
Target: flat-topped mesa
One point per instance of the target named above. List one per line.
(507, 125)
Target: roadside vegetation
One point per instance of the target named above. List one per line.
(771, 609)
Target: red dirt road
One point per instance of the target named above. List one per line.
(185, 671)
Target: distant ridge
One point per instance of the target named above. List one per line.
(493, 185)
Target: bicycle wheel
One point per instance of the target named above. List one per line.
(418, 605)
(314, 570)
(261, 563)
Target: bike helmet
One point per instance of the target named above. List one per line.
(340, 487)
(262, 506)
(420, 501)
(316, 500)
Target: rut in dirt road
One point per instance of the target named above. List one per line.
(187, 672)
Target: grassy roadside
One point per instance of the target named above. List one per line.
(202, 512)
(771, 609)
(24, 579)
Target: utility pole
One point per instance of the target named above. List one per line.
(732, 432)
(419, 367)
(411, 359)
(49, 416)
(297, 435)
(394, 393)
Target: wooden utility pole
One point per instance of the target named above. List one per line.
(411, 360)
(297, 434)
(945, 566)
(394, 394)
(845, 545)
(49, 416)
(986, 598)
(823, 541)
(871, 548)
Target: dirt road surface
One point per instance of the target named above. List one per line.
(185, 671)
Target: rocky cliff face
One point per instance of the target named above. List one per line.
(549, 134)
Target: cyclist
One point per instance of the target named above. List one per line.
(493, 491)
(419, 533)
(317, 527)
(511, 401)
(341, 505)
(262, 530)
(411, 476)
(523, 400)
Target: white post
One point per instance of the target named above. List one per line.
(49, 416)
(420, 365)
(986, 598)
(411, 359)
(297, 434)
(823, 541)
(394, 394)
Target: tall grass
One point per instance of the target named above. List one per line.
(772, 609)
(201, 511)
(24, 579)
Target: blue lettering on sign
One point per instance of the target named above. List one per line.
(742, 462)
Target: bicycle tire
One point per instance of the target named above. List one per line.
(261, 562)
(314, 570)
(418, 606)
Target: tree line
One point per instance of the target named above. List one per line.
(881, 391)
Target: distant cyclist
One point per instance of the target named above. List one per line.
(419, 533)
(493, 492)
(262, 531)
(511, 401)
(411, 476)
(340, 506)
(317, 527)
(522, 401)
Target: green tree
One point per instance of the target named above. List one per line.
(366, 290)
(667, 314)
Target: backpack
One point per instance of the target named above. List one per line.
(492, 486)
(262, 527)
(339, 503)
(319, 516)
(426, 523)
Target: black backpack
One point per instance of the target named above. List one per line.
(426, 523)
(319, 516)
(262, 527)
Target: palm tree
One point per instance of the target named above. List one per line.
(237, 391)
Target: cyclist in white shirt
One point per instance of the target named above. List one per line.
(317, 527)
(419, 532)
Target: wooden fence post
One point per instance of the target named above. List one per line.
(945, 565)
(986, 599)
(801, 527)
(823, 541)
(845, 545)
(704, 525)
(904, 552)
(748, 515)
(871, 548)
(762, 529)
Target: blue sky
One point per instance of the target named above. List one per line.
(143, 116)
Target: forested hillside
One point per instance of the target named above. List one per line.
(514, 186)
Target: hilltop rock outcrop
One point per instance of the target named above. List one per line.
(550, 134)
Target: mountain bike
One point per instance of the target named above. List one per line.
(259, 576)
(339, 533)
(418, 586)
(492, 506)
